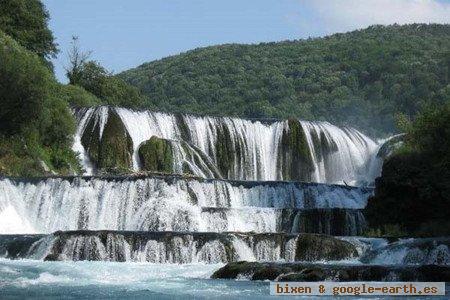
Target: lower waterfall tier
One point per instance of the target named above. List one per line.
(176, 203)
(209, 247)
(175, 247)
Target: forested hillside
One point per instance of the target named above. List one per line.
(363, 78)
(36, 124)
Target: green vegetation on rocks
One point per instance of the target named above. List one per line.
(116, 148)
(156, 155)
(295, 157)
(225, 153)
(113, 151)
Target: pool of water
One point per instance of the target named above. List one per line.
(21, 279)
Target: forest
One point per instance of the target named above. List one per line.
(373, 79)
(366, 78)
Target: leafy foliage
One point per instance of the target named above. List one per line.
(36, 126)
(362, 78)
(27, 22)
(111, 90)
(414, 189)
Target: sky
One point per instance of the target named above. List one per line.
(123, 34)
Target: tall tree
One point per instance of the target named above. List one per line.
(27, 22)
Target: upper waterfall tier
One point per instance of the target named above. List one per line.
(114, 139)
(175, 203)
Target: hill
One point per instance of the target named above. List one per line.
(364, 78)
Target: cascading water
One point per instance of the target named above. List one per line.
(237, 148)
(174, 203)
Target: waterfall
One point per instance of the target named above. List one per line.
(155, 247)
(237, 149)
(426, 251)
(174, 203)
(207, 247)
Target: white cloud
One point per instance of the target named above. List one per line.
(343, 15)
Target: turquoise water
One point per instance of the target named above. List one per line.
(20, 279)
(82, 280)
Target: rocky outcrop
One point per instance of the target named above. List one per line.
(424, 251)
(116, 148)
(109, 145)
(295, 157)
(225, 152)
(388, 148)
(156, 155)
(17, 246)
(336, 221)
(325, 272)
(314, 247)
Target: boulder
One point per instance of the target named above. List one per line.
(315, 247)
(156, 155)
(112, 150)
(303, 272)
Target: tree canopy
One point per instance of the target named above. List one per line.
(413, 193)
(362, 78)
(27, 22)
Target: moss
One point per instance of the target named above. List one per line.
(187, 169)
(156, 155)
(225, 153)
(116, 147)
(113, 152)
(295, 157)
(327, 147)
(21, 156)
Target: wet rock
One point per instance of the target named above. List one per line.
(314, 247)
(295, 156)
(156, 155)
(111, 150)
(334, 272)
(52, 257)
(336, 221)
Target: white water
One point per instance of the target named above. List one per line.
(181, 248)
(160, 204)
(254, 145)
(412, 251)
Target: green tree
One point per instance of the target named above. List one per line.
(95, 79)
(413, 192)
(362, 78)
(24, 87)
(36, 125)
(27, 22)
